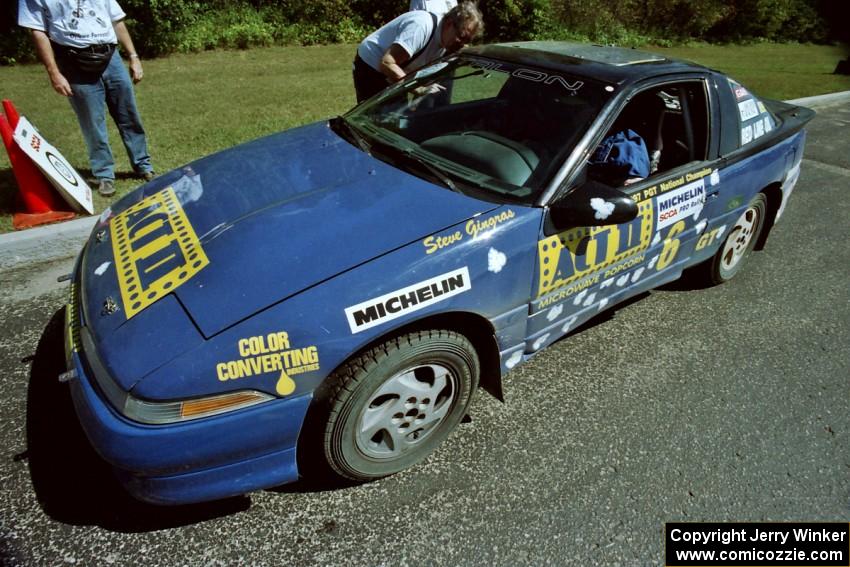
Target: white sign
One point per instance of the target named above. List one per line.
(748, 109)
(57, 169)
(412, 298)
(683, 202)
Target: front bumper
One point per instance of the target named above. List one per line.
(194, 461)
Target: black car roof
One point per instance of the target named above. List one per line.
(612, 64)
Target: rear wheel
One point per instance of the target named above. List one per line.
(393, 405)
(738, 244)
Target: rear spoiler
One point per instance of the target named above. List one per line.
(792, 117)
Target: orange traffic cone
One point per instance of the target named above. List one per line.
(43, 205)
(11, 113)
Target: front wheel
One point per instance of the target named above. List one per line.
(393, 405)
(738, 243)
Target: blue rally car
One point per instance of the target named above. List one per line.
(329, 299)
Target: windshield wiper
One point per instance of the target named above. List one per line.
(434, 170)
(353, 133)
(388, 148)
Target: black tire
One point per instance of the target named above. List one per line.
(390, 407)
(736, 247)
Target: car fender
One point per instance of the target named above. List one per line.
(482, 266)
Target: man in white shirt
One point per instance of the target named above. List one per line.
(410, 42)
(438, 7)
(76, 40)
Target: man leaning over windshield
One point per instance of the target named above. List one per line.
(410, 42)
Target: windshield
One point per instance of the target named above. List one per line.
(491, 129)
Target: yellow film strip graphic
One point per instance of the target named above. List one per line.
(578, 252)
(156, 250)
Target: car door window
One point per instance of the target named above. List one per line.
(667, 126)
(582, 270)
(755, 119)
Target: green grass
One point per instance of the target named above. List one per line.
(778, 71)
(193, 105)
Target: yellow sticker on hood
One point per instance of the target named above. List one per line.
(156, 250)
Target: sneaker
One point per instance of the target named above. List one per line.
(106, 187)
(148, 175)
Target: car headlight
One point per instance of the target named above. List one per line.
(171, 412)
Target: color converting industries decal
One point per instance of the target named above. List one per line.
(270, 353)
(156, 250)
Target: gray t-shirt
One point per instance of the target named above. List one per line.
(73, 23)
(411, 31)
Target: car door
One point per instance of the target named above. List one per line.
(583, 270)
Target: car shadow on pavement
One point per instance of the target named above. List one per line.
(691, 280)
(72, 483)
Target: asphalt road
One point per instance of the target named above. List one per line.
(725, 404)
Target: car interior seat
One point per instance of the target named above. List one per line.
(645, 115)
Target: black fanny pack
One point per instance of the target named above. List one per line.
(91, 60)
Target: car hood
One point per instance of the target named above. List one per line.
(278, 215)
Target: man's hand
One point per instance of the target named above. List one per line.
(126, 42)
(425, 90)
(60, 83)
(136, 72)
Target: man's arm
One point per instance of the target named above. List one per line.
(392, 61)
(127, 43)
(46, 56)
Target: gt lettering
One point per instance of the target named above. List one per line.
(671, 245)
(707, 238)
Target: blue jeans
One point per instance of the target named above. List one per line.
(112, 90)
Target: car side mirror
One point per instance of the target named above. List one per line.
(593, 204)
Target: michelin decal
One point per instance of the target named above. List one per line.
(681, 203)
(399, 303)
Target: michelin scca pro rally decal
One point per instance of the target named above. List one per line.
(412, 298)
(156, 250)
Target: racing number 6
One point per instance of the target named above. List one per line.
(671, 245)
